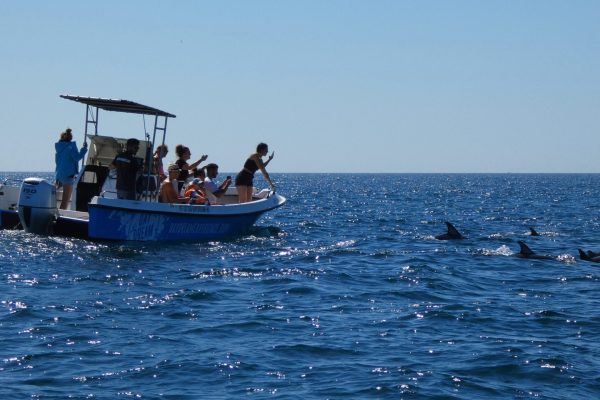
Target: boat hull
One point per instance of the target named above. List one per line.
(63, 226)
(133, 220)
(115, 219)
(9, 219)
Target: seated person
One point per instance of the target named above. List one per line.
(195, 193)
(169, 187)
(199, 173)
(212, 170)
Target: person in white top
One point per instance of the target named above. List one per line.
(212, 170)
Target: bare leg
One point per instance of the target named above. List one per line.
(249, 191)
(244, 193)
(241, 193)
(66, 197)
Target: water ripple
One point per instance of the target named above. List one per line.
(342, 293)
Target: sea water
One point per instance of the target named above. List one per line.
(343, 293)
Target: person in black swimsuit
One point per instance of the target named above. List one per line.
(244, 179)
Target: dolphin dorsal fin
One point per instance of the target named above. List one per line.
(583, 255)
(533, 232)
(525, 249)
(452, 231)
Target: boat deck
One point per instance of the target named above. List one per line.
(79, 215)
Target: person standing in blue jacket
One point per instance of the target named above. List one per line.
(67, 164)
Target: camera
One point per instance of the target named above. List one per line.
(229, 177)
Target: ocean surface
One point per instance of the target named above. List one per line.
(343, 293)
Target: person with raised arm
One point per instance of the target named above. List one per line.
(184, 154)
(67, 158)
(244, 179)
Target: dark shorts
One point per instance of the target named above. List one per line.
(125, 195)
(244, 178)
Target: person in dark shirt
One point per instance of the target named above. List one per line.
(183, 156)
(127, 166)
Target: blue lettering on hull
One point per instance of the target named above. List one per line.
(106, 223)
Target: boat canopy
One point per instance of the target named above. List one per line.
(118, 105)
(104, 149)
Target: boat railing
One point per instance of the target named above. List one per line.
(148, 187)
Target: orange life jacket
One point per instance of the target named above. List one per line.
(196, 197)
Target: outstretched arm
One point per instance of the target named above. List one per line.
(194, 165)
(270, 158)
(84, 149)
(262, 168)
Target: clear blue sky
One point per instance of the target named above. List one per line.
(331, 86)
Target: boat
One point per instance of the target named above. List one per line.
(95, 212)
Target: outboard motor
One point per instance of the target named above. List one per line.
(37, 205)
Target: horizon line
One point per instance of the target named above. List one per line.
(372, 173)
